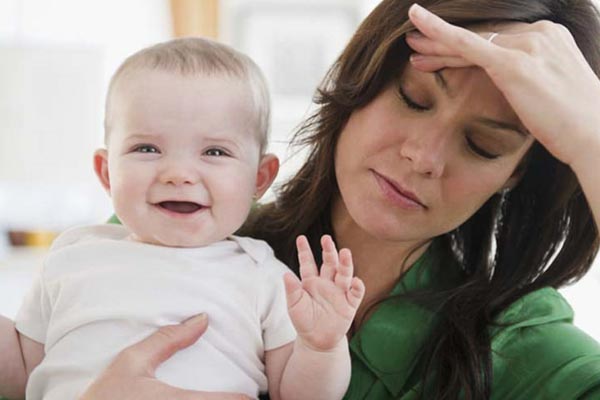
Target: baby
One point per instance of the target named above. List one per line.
(185, 132)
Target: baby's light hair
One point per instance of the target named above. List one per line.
(191, 56)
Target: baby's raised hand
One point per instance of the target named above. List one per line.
(323, 305)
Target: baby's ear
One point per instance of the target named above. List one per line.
(267, 171)
(101, 168)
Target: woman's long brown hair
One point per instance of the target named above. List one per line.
(543, 229)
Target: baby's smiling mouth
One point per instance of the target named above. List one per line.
(181, 207)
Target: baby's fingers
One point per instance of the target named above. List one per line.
(343, 278)
(308, 266)
(330, 258)
(293, 289)
(356, 292)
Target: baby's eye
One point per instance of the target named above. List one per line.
(146, 148)
(215, 152)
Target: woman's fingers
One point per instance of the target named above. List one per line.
(435, 63)
(109, 387)
(421, 44)
(424, 45)
(330, 258)
(181, 394)
(131, 374)
(308, 266)
(167, 392)
(535, 66)
(144, 357)
(459, 41)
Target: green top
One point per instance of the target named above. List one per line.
(538, 354)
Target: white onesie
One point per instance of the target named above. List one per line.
(99, 292)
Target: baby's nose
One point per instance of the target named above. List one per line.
(179, 173)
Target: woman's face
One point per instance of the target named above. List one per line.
(426, 154)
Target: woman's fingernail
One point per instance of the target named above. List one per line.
(416, 58)
(414, 35)
(417, 10)
(198, 319)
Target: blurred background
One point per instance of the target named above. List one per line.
(56, 58)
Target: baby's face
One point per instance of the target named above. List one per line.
(183, 157)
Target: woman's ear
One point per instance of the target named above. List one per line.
(516, 176)
(101, 168)
(267, 171)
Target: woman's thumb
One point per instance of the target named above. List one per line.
(162, 344)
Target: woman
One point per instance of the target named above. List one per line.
(462, 179)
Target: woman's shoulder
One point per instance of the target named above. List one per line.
(538, 352)
(536, 308)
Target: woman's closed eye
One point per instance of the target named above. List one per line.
(479, 151)
(411, 103)
(473, 142)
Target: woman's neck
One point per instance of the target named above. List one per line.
(378, 262)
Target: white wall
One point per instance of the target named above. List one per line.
(294, 42)
(56, 57)
(68, 49)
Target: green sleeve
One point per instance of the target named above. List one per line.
(540, 354)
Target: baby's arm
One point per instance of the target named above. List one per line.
(321, 307)
(18, 356)
(309, 374)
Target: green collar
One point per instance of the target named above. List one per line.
(388, 349)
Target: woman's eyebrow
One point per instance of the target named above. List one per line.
(507, 126)
(441, 81)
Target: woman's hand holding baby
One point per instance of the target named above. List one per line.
(131, 375)
(323, 304)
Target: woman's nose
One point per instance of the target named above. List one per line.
(426, 152)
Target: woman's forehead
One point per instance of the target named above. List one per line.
(470, 83)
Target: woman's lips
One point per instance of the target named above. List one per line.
(397, 194)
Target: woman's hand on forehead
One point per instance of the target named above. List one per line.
(538, 68)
